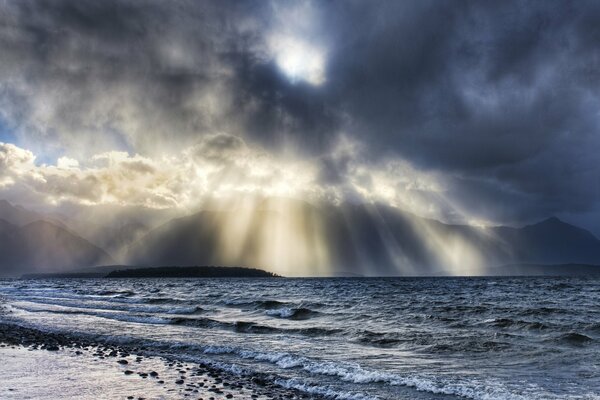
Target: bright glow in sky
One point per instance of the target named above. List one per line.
(298, 59)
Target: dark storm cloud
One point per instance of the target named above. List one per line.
(281, 108)
(444, 81)
(502, 97)
(134, 72)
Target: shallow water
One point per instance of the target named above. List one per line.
(405, 338)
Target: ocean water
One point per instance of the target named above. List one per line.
(404, 338)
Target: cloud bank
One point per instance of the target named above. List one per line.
(218, 168)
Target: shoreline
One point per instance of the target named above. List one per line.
(30, 356)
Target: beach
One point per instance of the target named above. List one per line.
(38, 365)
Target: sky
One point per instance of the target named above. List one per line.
(472, 112)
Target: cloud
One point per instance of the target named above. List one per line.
(219, 168)
(471, 110)
(497, 97)
(144, 78)
(14, 161)
(108, 178)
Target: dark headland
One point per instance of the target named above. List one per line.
(192, 272)
(161, 272)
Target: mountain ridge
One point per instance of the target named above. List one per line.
(43, 246)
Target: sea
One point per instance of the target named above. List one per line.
(345, 338)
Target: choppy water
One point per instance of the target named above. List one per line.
(480, 338)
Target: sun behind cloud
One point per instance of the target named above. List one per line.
(299, 61)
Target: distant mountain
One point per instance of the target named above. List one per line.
(11, 247)
(111, 233)
(20, 216)
(114, 238)
(41, 246)
(358, 239)
(551, 241)
(17, 215)
(113, 228)
(290, 238)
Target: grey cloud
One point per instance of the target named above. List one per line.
(221, 147)
(499, 95)
(119, 74)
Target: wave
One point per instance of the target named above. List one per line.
(123, 317)
(124, 293)
(324, 391)
(112, 306)
(543, 311)
(62, 295)
(251, 327)
(185, 310)
(469, 346)
(256, 304)
(574, 338)
(163, 300)
(461, 309)
(195, 322)
(595, 326)
(297, 314)
(123, 299)
(239, 326)
(429, 343)
(354, 373)
(511, 323)
(561, 285)
(379, 339)
(236, 326)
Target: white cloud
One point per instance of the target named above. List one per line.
(221, 167)
(14, 161)
(67, 163)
